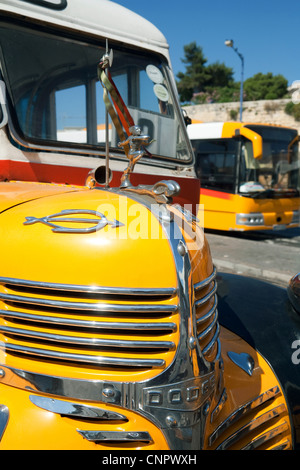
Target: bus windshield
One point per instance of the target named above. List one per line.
(216, 161)
(56, 98)
(278, 171)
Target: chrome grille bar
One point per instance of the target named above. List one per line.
(207, 330)
(283, 446)
(94, 307)
(207, 315)
(116, 436)
(267, 436)
(61, 321)
(92, 342)
(58, 322)
(207, 297)
(163, 292)
(200, 285)
(251, 426)
(212, 342)
(4, 417)
(98, 360)
(77, 410)
(242, 411)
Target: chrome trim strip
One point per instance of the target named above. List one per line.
(216, 411)
(251, 426)
(243, 410)
(90, 289)
(77, 410)
(98, 360)
(4, 417)
(95, 307)
(200, 285)
(283, 446)
(210, 327)
(172, 327)
(210, 345)
(205, 317)
(116, 436)
(267, 436)
(205, 299)
(83, 341)
(211, 316)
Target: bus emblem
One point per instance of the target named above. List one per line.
(97, 223)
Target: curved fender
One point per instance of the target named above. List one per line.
(262, 315)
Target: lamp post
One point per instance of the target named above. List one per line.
(229, 43)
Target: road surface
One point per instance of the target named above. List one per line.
(271, 256)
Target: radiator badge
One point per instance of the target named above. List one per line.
(99, 222)
(242, 360)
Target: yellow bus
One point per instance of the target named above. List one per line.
(116, 331)
(249, 175)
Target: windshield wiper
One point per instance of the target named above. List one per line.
(271, 193)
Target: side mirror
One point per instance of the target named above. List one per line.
(255, 138)
(3, 110)
(294, 292)
(187, 119)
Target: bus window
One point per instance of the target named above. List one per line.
(248, 165)
(279, 166)
(57, 99)
(71, 114)
(216, 163)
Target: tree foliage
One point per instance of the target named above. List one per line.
(293, 109)
(196, 75)
(265, 87)
(204, 83)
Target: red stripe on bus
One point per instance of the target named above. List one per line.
(44, 173)
(212, 193)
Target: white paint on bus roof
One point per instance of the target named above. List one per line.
(205, 130)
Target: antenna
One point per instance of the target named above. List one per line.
(107, 134)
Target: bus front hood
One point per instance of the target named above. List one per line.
(15, 193)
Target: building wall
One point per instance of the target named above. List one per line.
(265, 111)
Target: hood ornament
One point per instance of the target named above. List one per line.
(97, 223)
(132, 140)
(242, 360)
(136, 142)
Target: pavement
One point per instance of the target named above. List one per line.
(271, 256)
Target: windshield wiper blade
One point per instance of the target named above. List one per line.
(271, 193)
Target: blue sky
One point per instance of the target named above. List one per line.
(266, 32)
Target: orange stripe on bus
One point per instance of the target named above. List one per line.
(212, 193)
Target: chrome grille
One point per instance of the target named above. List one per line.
(258, 424)
(100, 326)
(207, 315)
(85, 414)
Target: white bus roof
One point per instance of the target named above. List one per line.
(205, 130)
(94, 17)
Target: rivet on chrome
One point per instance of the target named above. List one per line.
(181, 248)
(171, 421)
(108, 393)
(192, 342)
(206, 409)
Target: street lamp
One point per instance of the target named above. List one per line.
(229, 43)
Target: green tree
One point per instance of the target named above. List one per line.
(293, 109)
(204, 83)
(265, 87)
(196, 76)
(219, 75)
(201, 79)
